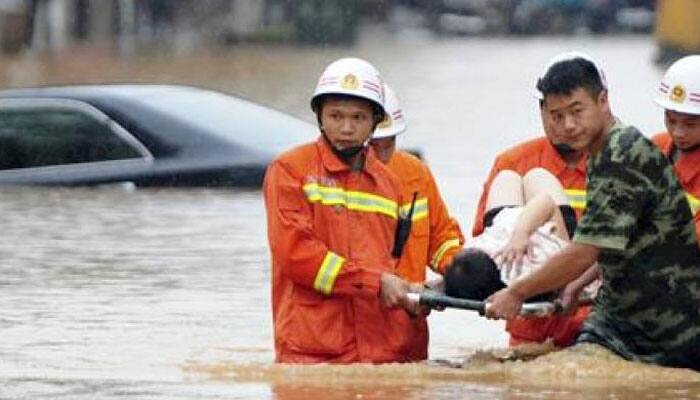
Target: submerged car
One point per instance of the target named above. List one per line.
(148, 135)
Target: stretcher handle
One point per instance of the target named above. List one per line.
(438, 301)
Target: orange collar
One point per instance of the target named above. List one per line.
(553, 161)
(688, 165)
(333, 163)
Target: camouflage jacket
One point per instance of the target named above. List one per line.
(636, 213)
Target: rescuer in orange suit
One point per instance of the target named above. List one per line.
(679, 95)
(569, 166)
(333, 216)
(434, 236)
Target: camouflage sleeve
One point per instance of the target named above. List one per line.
(619, 190)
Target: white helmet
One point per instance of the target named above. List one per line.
(353, 77)
(394, 122)
(679, 89)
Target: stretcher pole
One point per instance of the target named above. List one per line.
(440, 301)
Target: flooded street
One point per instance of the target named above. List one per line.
(110, 293)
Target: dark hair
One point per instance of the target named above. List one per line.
(472, 275)
(317, 106)
(566, 76)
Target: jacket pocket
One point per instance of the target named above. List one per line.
(406, 337)
(319, 325)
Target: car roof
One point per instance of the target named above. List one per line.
(89, 91)
(85, 92)
(180, 109)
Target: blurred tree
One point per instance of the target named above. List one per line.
(50, 24)
(185, 24)
(326, 21)
(14, 32)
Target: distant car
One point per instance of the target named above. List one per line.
(148, 135)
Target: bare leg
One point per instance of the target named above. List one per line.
(539, 181)
(506, 190)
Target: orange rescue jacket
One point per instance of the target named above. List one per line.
(687, 169)
(522, 158)
(435, 237)
(330, 232)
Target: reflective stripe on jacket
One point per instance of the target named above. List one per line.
(687, 169)
(330, 232)
(522, 158)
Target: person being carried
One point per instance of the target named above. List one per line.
(679, 95)
(524, 227)
(637, 225)
(554, 153)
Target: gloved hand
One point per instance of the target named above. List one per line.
(437, 285)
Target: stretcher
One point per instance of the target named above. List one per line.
(435, 300)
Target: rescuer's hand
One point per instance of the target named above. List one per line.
(569, 297)
(393, 290)
(413, 307)
(436, 285)
(504, 304)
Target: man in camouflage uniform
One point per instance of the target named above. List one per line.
(637, 225)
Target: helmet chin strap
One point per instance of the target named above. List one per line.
(563, 149)
(690, 149)
(347, 153)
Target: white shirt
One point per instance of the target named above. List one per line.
(543, 243)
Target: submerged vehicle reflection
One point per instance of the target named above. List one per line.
(148, 135)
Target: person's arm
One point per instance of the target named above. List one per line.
(559, 270)
(571, 294)
(535, 213)
(446, 237)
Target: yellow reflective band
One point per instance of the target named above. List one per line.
(577, 198)
(420, 209)
(694, 203)
(360, 201)
(357, 201)
(446, 245)
(325, 278)
(326, 195)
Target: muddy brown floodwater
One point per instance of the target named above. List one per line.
(164, 294)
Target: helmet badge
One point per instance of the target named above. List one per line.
(386, 122)
(350, 82)
(677, 94)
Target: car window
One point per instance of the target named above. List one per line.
(54, 136)
(235, 119)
